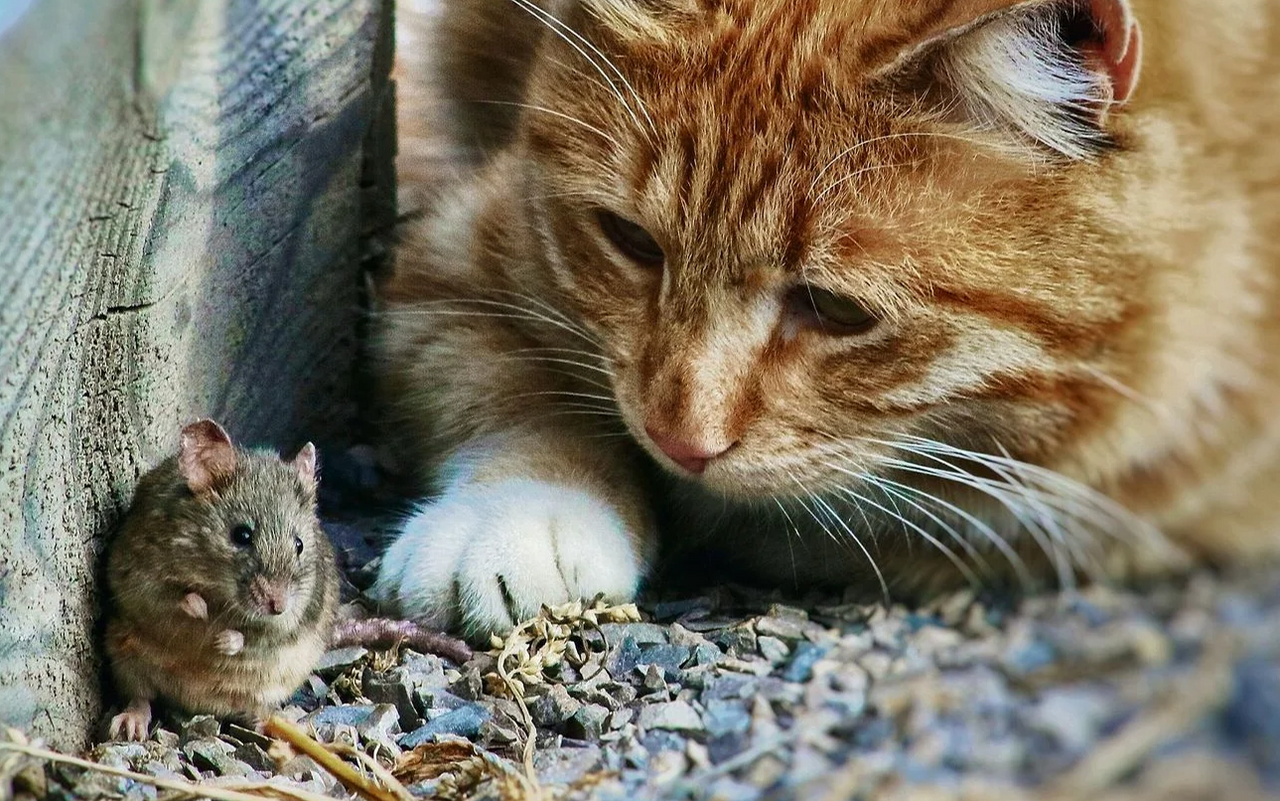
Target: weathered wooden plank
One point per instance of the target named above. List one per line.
(181, 210)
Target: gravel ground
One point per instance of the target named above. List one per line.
(1174, 693)
(1168, 693)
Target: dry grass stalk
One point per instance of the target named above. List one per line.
(16, 744)
(460, 767)
(386, 658)
(537, 645)
(369, 762)
(524, 656)
(388, 788)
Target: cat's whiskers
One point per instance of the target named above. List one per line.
(884, 586)
(996, 490)
(848, 151)
(802, 498)
(558, 196)
(988, 533)
(576, 410)
(586, 407)
(1087, 502)
(1035, 521)
(573, 351)
(793, 533)
(515, 357)
(563, 31)
(866, 519)
(582, 417)
(458, 313)
(579, 73)
(1054, 509)
(1157, 409)
(559, 358)
(427, 308)
(555, 312)
(561, 367)
(612, 435)
(895, 495)
(839, 450)
(920, 530)
(560, 393)
(1082, 541)
(844, 179)
(561, 115)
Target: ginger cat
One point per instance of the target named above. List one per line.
(891, 292)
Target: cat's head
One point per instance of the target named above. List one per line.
(808, 231)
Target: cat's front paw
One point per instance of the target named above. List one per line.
(486, 557)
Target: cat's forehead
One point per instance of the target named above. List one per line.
(782, 95)
(745, 136)
(785, 37)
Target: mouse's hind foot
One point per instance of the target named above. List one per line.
(133, 722)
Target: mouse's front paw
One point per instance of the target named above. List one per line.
(229, 642)
(193, 605)
(486, 557)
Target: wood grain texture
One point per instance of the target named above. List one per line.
(186, 192)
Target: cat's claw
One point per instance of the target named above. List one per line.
(132, 723)
(229, 642)
(193, 605)
(486, 557)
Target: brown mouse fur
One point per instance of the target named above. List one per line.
(203, 621)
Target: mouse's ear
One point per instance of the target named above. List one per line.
(305, 463)
(206, 455)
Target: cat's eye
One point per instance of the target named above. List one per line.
(634, 242)
(831, 312)
(297, 545)
(242, 535)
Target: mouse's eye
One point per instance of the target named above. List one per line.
(297, 545)
(242, 535)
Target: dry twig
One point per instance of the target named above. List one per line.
(460, 767)
(390, 788)
(246, 791)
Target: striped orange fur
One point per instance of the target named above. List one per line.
(993, 275)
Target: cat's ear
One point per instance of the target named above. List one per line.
(206, 456)
(640, 19)
(1049, 70)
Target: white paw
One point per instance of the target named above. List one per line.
(229, 642)
(486, 557)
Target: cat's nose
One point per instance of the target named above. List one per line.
(691, 456)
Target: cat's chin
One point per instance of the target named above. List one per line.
(748, 488)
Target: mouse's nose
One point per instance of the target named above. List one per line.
(689, 455)
(276, 603)
(272, 597)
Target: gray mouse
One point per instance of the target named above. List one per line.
(224, 588)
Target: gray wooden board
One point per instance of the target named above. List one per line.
(181, 214)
